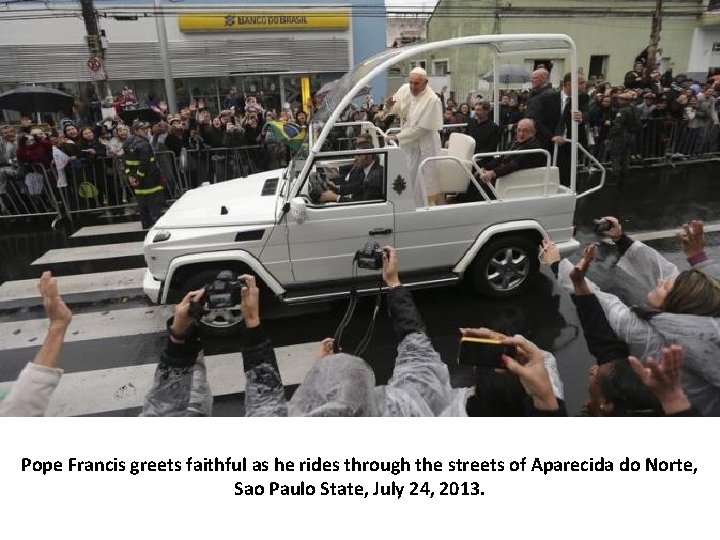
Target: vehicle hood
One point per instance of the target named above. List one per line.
(249, 200)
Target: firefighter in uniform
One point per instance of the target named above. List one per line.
(143, 175)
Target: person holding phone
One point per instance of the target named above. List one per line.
(513, 377)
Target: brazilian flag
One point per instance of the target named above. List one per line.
(288, 133)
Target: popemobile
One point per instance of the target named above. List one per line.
(273, 224)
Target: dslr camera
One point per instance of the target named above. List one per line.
(370, 257)
(223, 292)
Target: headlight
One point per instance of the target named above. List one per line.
(161, 236)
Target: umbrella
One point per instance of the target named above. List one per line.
(508, 73)
(36, 99)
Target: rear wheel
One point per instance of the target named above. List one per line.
(505, 267)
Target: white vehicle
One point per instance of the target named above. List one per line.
(301, 250)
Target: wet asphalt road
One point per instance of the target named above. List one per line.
(651, 199)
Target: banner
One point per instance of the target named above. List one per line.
(255, 21)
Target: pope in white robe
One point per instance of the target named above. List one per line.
(421, 118)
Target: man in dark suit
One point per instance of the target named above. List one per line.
(561, 137)
(365, 182)
(539, 108)
(525, 140)
(481, 128)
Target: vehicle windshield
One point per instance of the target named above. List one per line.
(344, 86)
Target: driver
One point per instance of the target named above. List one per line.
(365, 181)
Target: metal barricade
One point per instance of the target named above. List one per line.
(95, 184)
(27, 191)
(215, 165)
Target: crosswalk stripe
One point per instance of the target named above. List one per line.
(106, 390)
(106, 230)
(86, 326)
(76, 284)
(669, 233)
(88, 253)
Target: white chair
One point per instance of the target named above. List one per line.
(452, 177)
(527, 183)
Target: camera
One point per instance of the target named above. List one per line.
(370, 257)
(224, 291)
(602, 226)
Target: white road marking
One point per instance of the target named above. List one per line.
(85, 326)
(106, 390)
(88, 253)
(669, 233)
(83, 283)
(102, 230)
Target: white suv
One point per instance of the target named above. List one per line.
(272, 225)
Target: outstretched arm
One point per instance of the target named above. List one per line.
(31, 393)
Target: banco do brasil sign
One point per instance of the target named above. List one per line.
(253, 20)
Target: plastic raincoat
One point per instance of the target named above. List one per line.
(345, 385)
(647, 334)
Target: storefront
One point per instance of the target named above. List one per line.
(265, 47)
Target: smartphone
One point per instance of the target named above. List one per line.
(480, 352)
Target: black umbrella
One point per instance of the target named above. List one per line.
(36, 99)
(509, 73)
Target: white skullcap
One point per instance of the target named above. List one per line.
(419, 71)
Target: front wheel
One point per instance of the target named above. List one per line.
(505, 267)
(217, 322)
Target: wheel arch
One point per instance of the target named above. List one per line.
(527, 227)
(237, 260)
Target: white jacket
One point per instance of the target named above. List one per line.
(31, 393)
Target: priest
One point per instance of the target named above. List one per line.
(421, 119)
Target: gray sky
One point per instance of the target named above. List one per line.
(410, 5)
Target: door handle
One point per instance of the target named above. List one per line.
(376, 232)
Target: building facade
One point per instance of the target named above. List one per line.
(609, 35)
(263, 46)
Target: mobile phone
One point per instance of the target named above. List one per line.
(480, 352)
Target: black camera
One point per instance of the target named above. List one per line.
(602, 226)
(370, 256)
(224, 291)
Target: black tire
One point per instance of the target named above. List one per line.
(505, 267)
(216, 326)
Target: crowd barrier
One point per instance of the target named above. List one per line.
(98, 184)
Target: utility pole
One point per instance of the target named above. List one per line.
(165, 57)
(654, 37)
(94, 43)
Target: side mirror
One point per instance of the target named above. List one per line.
(298, 209)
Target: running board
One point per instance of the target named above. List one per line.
(417, 282)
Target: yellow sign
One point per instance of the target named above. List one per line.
(254, 21)
(305, 92)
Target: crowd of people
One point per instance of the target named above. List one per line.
(88, 160)
(649, 115)
(670, 321)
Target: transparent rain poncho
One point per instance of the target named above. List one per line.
(344, 385)
(338, 385)
(699, 336)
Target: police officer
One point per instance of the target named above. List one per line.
(622, 135)
(143, 175)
